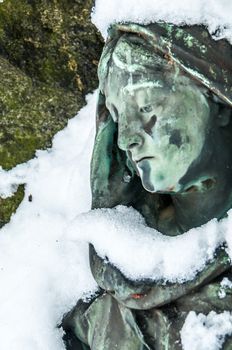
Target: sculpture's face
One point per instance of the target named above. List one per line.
(162, 122)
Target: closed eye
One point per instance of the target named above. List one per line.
(149, 125)
(146, 109)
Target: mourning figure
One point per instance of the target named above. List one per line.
(163, 146)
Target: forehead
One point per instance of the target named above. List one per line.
(134, 54)
(134, 61)
(126, 86)
(136, 72)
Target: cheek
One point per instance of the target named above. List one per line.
(170, 136)
(175, 138)
(179, 135)
(195, 135)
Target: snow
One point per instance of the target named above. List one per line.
(121, 235)
(42, 274)
(206, 332)
(215, 14)
(224, 286)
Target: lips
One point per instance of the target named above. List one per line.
(143, 158)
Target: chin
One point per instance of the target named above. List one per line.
(148, 186)
(160, 188)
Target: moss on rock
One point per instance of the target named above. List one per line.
(52, 41)
(8, 206)
(49, 52)
(30, 114)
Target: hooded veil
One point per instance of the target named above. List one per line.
(143, 314)
(192, 49)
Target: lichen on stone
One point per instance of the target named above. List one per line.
(49, 52)
(9, 205)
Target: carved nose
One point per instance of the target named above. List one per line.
(134, 142)
(129, 142)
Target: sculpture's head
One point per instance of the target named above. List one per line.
(163, 116)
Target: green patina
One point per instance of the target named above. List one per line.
(103, 160)
(165, 110)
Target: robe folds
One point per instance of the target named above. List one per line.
(147, 314)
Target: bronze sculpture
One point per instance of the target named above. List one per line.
(163, 146)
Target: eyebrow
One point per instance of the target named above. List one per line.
(149, 84)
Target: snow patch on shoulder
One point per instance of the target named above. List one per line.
(121, 235)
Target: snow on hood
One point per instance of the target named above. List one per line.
(216, 15)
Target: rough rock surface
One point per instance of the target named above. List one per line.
(49, 52)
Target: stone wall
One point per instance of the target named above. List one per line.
(49, 52)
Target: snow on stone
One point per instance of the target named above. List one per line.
(42, 274)
(206, 332)
(215, 14)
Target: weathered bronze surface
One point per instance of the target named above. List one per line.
(163, 146)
